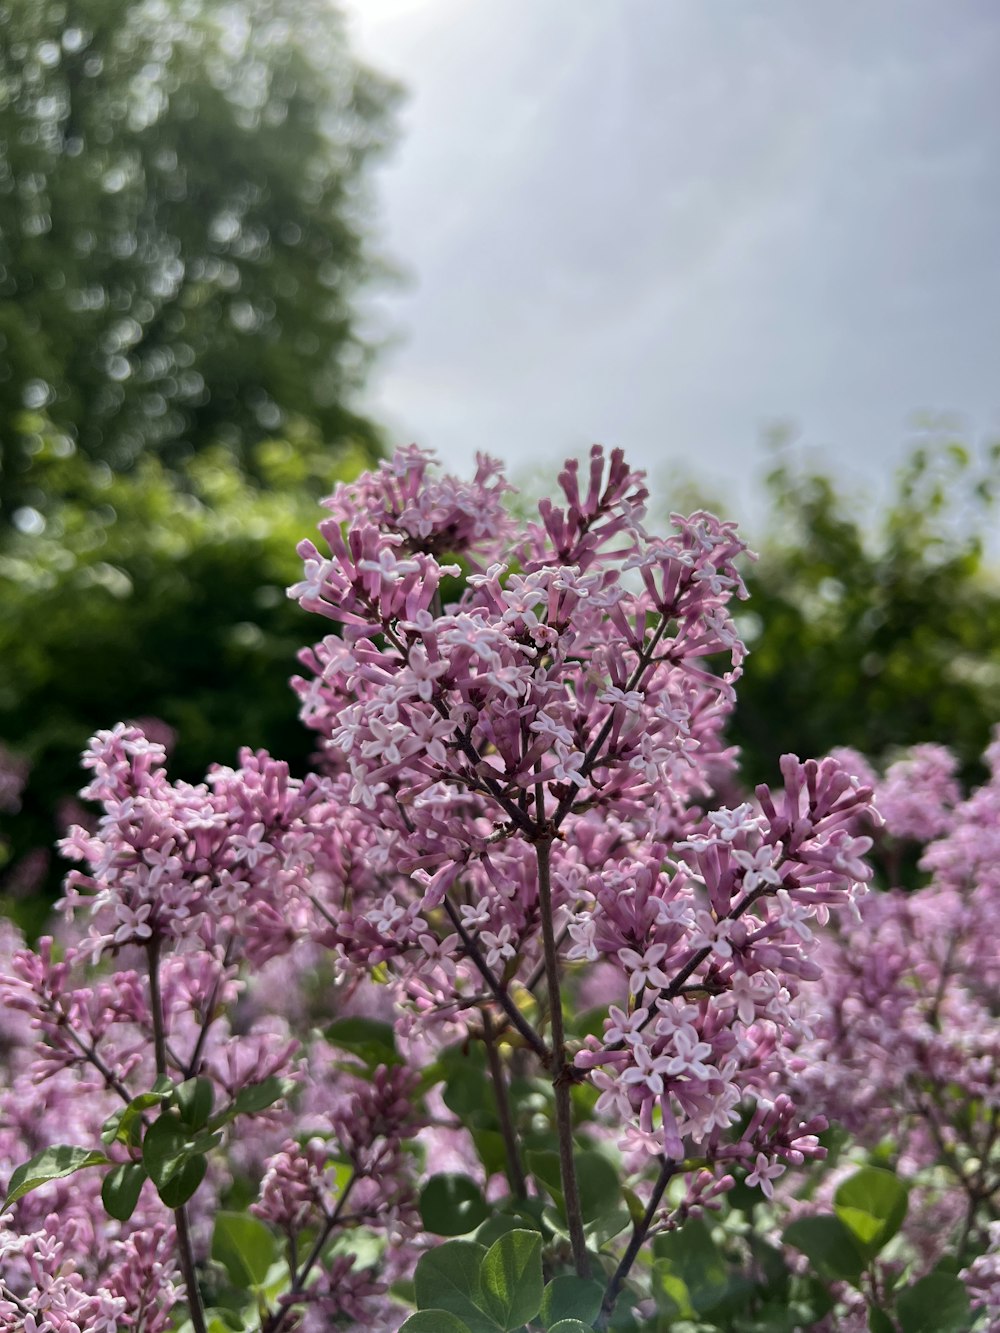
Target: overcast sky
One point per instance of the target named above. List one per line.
(665, 224)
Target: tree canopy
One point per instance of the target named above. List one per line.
(874, 634)
(157, 594)
(182, 226)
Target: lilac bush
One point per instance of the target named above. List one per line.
(485, 1016)
(905, 1049)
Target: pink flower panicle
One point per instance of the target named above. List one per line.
(903, 1041)
(488, 692)
(439, 516)
(582, 690)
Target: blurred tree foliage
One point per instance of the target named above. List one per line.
(160, 593)
(152, 595)
(182, 226)
(874, 637)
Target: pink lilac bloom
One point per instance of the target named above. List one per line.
(582, 693)
(522, 741)
(210, 875)
(919, 792)
(905, 1045)
(982, 1278)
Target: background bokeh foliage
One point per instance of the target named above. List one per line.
(184, 225)
(155, 594)
(875, 628)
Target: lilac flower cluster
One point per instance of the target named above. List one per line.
(905, 1045)
(982, 1277)
(187, 890)
(526, 774)
(723, 943)
(522, 732)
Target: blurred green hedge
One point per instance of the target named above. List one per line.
(185, 223)
(158, 594)
(875, 630)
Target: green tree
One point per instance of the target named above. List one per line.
(153, 594)
(874, 637)
(182, 226)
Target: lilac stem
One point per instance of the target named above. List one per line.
(275, 1321)
(185, 1252)
(639, 1233)
(515, 1170)
(501, 996)
(561, 1072)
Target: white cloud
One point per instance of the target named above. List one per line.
(664, 225)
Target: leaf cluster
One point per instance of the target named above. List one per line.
(877, 637)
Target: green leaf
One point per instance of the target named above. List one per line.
(598, 1184)
(176, 1191)
(258, 1097)
(879, 1321)
(872, 1205)
(496, 1226)
(217, 1321)
(194, 1099)
(815, 1297)
(245, 1246)
(434, 1321)
(670, 1292)
(126, 1124)
(452, 1205)
(447, 1278)
(571, 1298)
(590, 1023)
(938, 1303)
(205, 1141)
(165, 1148)
(373, 1041)
(511, 1277)
(607, 1226)
(772, 1318)
(694, 1259)
(111, 1126)
(544, 1166)
(51, 1164)
(224, 1321)
(121, 1189)
(828, 1245)
(175, 1165)
(467, 1093)
(363, 1246)
(341, 1174)
(570, 1326)
(531, 1211)
(491, 1149)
